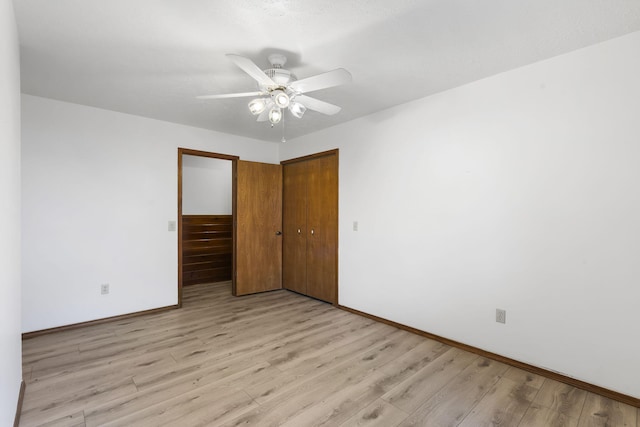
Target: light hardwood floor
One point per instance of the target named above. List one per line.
(279, 358)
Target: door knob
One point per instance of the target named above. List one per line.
(298, 231)
(312, 232)
(278, 233)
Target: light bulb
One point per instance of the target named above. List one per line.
(257, 106)
(275, 115)
(280, 98)
(297, 109)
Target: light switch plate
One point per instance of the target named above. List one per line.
(172, 226)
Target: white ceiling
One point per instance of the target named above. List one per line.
(152, 57)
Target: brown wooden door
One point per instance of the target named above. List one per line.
(294, 220)
(322, 228)
(258, 250)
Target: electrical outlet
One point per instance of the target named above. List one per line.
(501, 316)
(104, 289)
(171, 226)
(355, 225)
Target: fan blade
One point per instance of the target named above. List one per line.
(322, 81)
(317, 105)
(249, 67)
(231, 95)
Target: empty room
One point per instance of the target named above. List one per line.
(376, 213)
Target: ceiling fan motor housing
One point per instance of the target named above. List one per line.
(278, 74)
(281, 76)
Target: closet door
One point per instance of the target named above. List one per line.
(322, 227)
(294, 218)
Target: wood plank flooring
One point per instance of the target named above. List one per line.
(279, 358)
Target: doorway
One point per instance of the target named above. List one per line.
(206, 213)
(256, 217)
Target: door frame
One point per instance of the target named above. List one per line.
(234, 161)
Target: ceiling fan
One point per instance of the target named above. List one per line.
(280, 89)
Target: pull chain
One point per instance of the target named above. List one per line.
(283, 114)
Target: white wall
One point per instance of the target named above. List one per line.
(10, 343)
(98, 190)
(206, 186)
(518, 192)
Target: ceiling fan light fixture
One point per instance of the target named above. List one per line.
(275, 115)
(280, 98)
(257, 106)
(297, 109)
